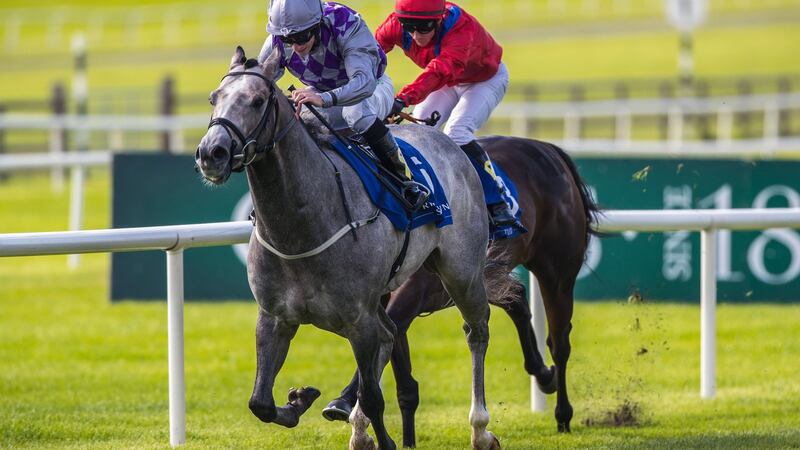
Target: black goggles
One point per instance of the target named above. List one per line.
(419, 25)
(301, 37)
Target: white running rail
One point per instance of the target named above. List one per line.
(174, 239)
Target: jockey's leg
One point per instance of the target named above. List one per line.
(385, 147)
(366, 118)
(442, 100)
(476, 104)
(500, 212)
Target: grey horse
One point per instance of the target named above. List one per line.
(301, 274)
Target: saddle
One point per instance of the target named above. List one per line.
(386, 177)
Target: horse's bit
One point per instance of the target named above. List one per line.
(241, 159)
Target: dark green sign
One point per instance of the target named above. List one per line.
(761, 266)
(157, 189)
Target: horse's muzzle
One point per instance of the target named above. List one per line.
(213, 162)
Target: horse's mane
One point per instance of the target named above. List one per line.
(318, 132)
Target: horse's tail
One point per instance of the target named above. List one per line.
(501, 286)
(590, 208)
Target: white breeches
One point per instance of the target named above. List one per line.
(362, 115)
(465, 107)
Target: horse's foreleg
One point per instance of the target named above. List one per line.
(372, 347)
(519, 311)
(342, 406)
(272, 345)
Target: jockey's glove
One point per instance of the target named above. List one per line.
(397, 106)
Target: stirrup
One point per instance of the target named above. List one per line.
(501, 214)
(416, 194)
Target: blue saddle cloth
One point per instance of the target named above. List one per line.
(492, 196)
(436, 209)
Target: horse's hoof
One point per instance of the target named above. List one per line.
(302, 398)
(563, 428)
(552, 385)
(363, 443)
(337, 409)
(495, 443)
(482, 444)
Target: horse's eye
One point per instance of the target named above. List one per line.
(212, 98)
(258, 102)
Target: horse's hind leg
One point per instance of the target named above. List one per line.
(272, 345)
(372, 345)
(519, 311)
(557, 296)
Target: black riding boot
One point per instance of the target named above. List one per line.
(382, 142)
(499, 212)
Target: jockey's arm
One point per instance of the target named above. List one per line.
(361, 60)
(266, 50)
(388, 34)
(440, 71)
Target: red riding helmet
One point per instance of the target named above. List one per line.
(419, 9)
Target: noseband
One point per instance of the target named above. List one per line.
(244, 155)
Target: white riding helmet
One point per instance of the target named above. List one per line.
(292, 16)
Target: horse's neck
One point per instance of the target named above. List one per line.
(293, 186)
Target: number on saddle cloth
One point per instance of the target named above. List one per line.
(492, 196)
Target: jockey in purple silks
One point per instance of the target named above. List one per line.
(330, 49)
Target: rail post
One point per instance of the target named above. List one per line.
(708, 312)
(703, 120)
(744, 88)
(538, 398)
(167, 109)
(785, 119)
(573, 127)
(531, 95)
(58, 135)
(2, 139)
(622, 119)
(80, 92)
(177, 384)
(667, 91)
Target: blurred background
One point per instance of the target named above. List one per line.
(665, 104)
(579, 68)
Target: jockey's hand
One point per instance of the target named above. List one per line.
(303, 96)
(397, 106)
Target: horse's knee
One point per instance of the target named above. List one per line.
(266, 412)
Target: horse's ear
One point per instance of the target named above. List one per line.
(238, 57)
(272, 64)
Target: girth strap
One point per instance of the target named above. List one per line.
(324, 246)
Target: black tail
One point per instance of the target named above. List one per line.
(501, 284)
(590, 208)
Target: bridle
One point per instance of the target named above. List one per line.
(244, 156)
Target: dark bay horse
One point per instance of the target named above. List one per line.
(558, 211)
(304, 264)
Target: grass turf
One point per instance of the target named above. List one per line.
(79, 372)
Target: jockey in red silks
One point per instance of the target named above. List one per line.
(463, 77)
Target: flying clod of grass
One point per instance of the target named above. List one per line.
(627, 414)
(635, 298)
(641, 175)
